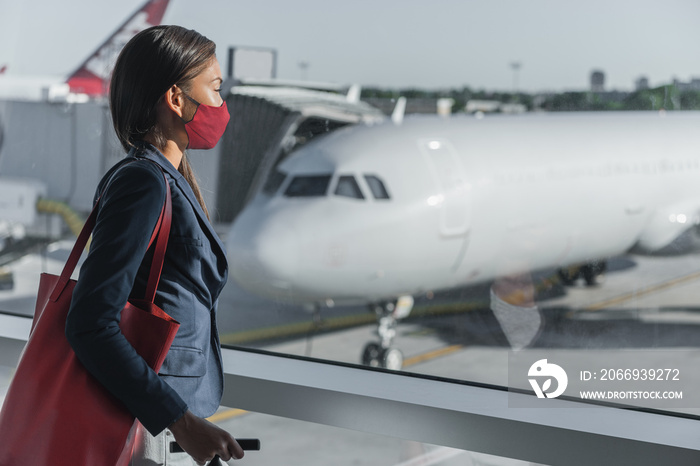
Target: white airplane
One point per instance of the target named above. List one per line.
(378, 214)
(91, 78)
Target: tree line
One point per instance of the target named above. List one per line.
(667, 97)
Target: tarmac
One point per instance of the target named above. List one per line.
(643, 303)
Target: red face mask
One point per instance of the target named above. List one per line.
(206, 126)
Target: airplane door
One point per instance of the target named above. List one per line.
(453, 196)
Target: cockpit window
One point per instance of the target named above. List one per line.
(377, 187)
(308, 186)
(274, 181)
(348, 187)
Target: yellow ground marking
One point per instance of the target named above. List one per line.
(295, 329)
(225, 415)
(642, 292)
(430, 355)
(455, 308)
(337, 323)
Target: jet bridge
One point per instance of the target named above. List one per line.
(267, 123)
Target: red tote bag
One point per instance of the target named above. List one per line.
(55, 413)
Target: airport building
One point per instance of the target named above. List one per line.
(641, 83)
(597, 81)
(692, 85)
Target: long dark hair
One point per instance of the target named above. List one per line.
(148, 65)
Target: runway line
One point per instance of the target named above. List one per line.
(434, 354)
(296, 329)
(644, 291)
(339, 323)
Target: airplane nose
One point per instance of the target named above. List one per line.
(263, 255)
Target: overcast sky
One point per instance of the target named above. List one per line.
(393, 43)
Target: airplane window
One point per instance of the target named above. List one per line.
(377, 187)
(348, 187)
(308, 186)
(274, 181)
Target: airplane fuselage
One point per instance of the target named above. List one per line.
(469, 200)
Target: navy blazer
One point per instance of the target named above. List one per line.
(116, 268)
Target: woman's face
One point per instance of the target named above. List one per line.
(205, 87)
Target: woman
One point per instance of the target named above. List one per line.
(164, 98)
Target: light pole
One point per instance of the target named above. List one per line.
(303, 66)
(515, 66)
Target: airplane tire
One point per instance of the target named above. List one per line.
(371, 354)
(589, 275)
(568, 275)
(392, 359)
(593, 271)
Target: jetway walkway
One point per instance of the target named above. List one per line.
(267, 123)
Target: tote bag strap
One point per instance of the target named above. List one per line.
(163, 233)
(160, 232)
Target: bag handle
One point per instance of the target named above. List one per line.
(160, 234)
(163, 227)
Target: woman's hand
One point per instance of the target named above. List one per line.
(202, 440)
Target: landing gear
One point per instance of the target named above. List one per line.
(381, 354)
(591, 272)
(392, 358)
(370, 355)
(388, 358)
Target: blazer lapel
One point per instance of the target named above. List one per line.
(203, 220)
(155, 155)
